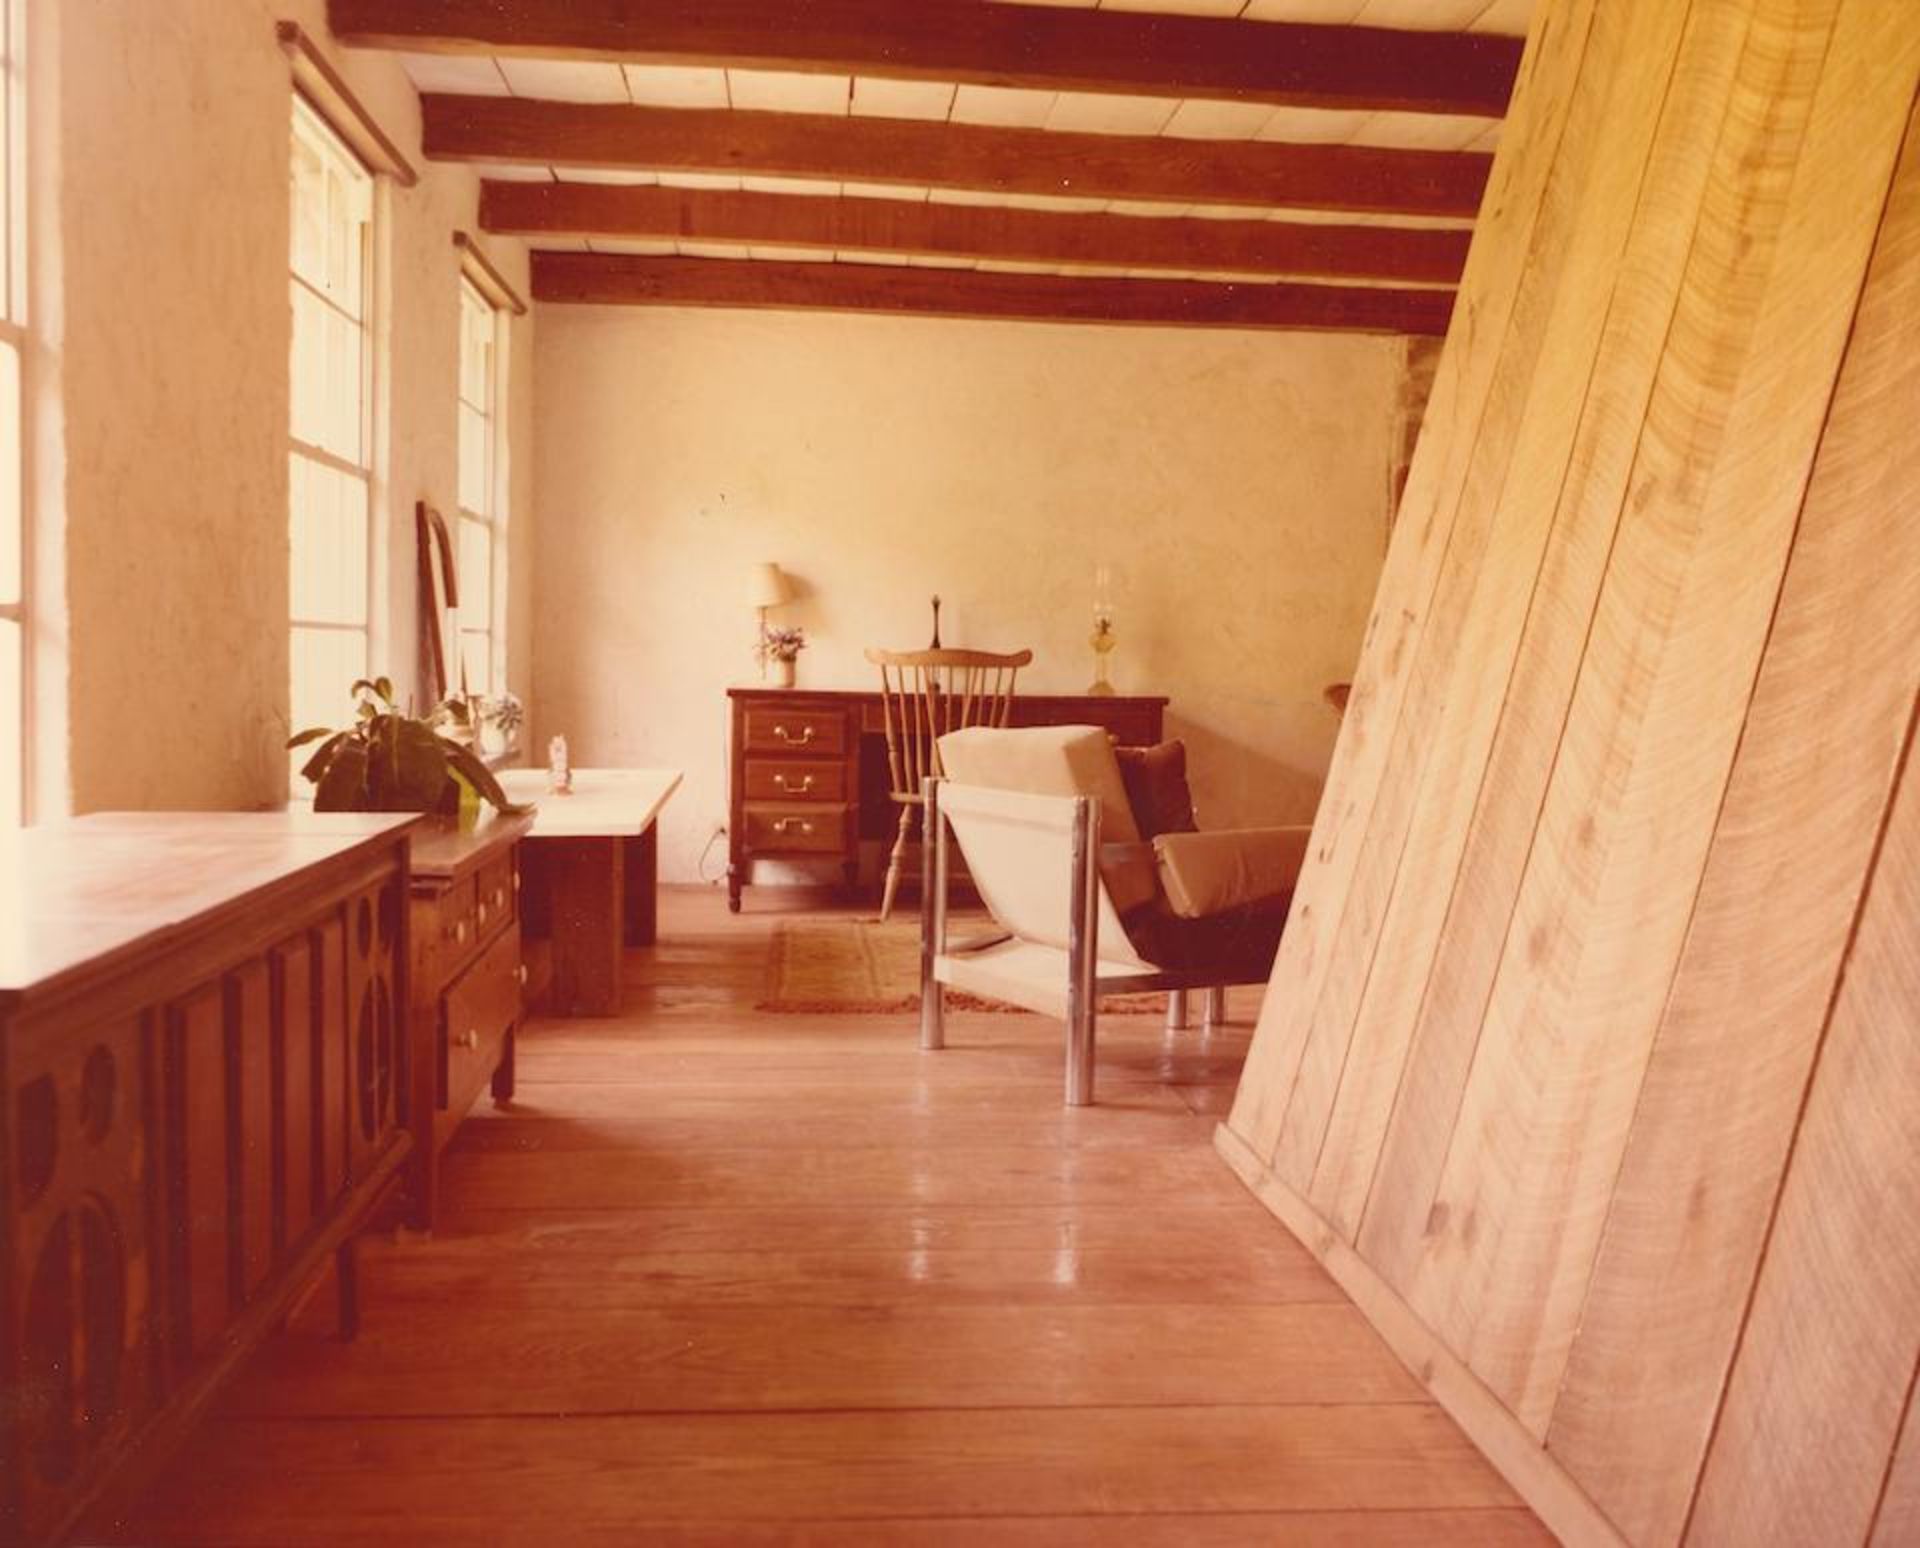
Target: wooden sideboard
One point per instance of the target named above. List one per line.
(808, 771)
(467, 980)
(202, 1095)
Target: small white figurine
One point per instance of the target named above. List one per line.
(559, 771)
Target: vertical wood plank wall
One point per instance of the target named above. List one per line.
(1591, 1060)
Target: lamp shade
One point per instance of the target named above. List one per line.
(768, 586)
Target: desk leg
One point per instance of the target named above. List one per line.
(584, 883)
(641, 860)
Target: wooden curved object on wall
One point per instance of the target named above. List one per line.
(1590, 1066)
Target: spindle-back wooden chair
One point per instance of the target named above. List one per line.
(924, 694)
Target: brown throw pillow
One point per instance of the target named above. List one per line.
(1156, 781)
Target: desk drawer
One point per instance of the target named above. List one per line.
(796, 830)
(795, 731)
(796, 779)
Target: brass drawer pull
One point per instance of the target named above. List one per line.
(780, 782)
(792, 825)
(520, 975)
(467, 1039)
(801, 740)
(499, 897)
(483, 912)
(458, 934)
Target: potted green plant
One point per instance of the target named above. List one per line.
(387, 761)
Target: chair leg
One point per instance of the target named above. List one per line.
(893, 863)
(1177, 1014)
(933, 923)
(1081, 1032)
(1216, 1011)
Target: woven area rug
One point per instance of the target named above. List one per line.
(860, 967)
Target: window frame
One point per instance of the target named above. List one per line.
(493, 521)
(339, 147)
(16, 615)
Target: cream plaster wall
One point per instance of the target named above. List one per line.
(1236, 483)
(160, 289)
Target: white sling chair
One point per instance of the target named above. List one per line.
(1076, 918)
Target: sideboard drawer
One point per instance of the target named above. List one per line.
(481, 1009)
(796, 779)
(796, 830)
(773, 730)
(495, 902)
(446, 930)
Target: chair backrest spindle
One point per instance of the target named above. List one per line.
(924, 694)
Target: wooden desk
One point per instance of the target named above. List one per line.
(205, 1093)
(592, 875)
(807, 769)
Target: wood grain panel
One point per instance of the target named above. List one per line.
(331, 1032)
(1898, 1518)
(1825, 1369)
(202, 1176)
(1166, 55)
(1354, 1052)
(774, 220)
(1484, 346)
(1592, 849)
(610, 279)
(921, 154)
(250, 1033)
(1662, 694)
(1775, 911)
(1440, 1002)
(299, 1087)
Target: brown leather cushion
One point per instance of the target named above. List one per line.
(1242, 942)
(1156, 781)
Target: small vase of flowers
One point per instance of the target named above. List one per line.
(500, 717)
(781, 645)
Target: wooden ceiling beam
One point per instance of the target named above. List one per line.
(970, 231)
(607, 279)
(1037, 47)
(915, 153)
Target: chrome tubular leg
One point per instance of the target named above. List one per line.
(933, 922)
(1176, 1009)
(1216, 1012)
(1083, 951)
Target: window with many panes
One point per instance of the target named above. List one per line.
(331, 497)
(481, 524)
(13, 526)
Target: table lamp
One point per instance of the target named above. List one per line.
(767, 586)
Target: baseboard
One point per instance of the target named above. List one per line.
(1514, 1452)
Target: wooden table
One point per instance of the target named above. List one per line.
(808, 768)
(591, 873)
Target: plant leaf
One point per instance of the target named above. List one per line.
(305, 737)
(317, 764)
(343, 787)
(420, 763)
(477, 774)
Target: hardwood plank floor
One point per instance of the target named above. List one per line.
(725, 1277)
